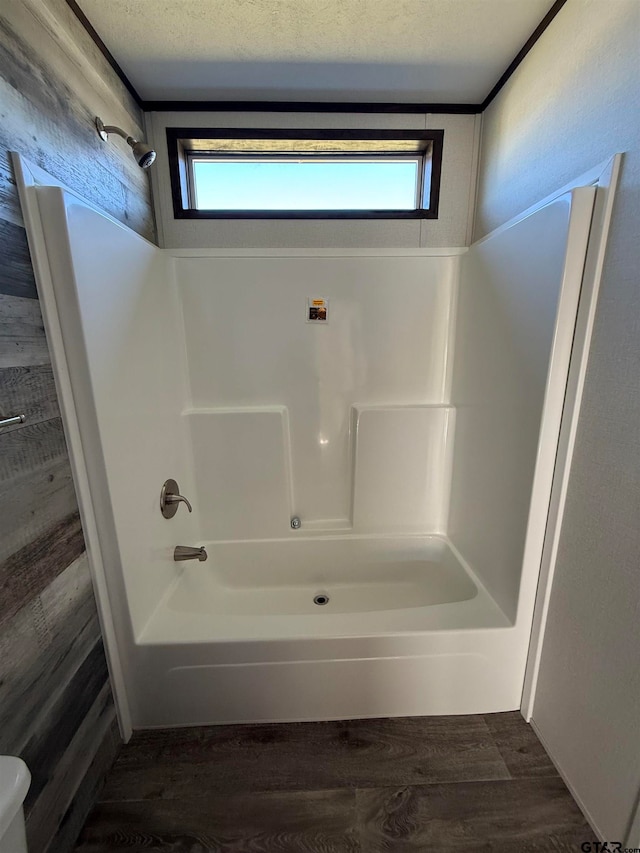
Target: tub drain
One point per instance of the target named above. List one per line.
(321, 599)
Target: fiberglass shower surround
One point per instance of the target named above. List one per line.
(413, 433)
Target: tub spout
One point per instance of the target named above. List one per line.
(186, 552)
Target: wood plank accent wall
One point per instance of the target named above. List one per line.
(56, 708)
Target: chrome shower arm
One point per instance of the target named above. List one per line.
(112, 128)
(144, 154)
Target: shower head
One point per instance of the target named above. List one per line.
(144, 154)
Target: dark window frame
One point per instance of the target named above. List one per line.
(179, 140)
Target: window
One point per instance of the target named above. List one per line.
(304, 174)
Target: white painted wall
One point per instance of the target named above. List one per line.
(272, 396)
(572, 103)
(452, 228)
(120, 319)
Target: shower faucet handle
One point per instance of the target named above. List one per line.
(170, 498)
(176, 499)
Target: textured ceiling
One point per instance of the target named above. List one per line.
(342, 50)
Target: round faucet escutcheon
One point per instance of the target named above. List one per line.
(170, 499)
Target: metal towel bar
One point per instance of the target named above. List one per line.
(18, 419)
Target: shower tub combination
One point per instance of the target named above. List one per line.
(414, 434)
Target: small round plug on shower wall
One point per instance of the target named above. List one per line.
(143, 154)
(296, 524)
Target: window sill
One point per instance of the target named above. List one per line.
(304, 214)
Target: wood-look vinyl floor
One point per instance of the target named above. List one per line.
(406, 785)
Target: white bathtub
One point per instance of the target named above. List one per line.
(407, 630)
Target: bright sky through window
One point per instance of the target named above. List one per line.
(305, 185)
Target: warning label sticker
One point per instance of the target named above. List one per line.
(317, 310)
